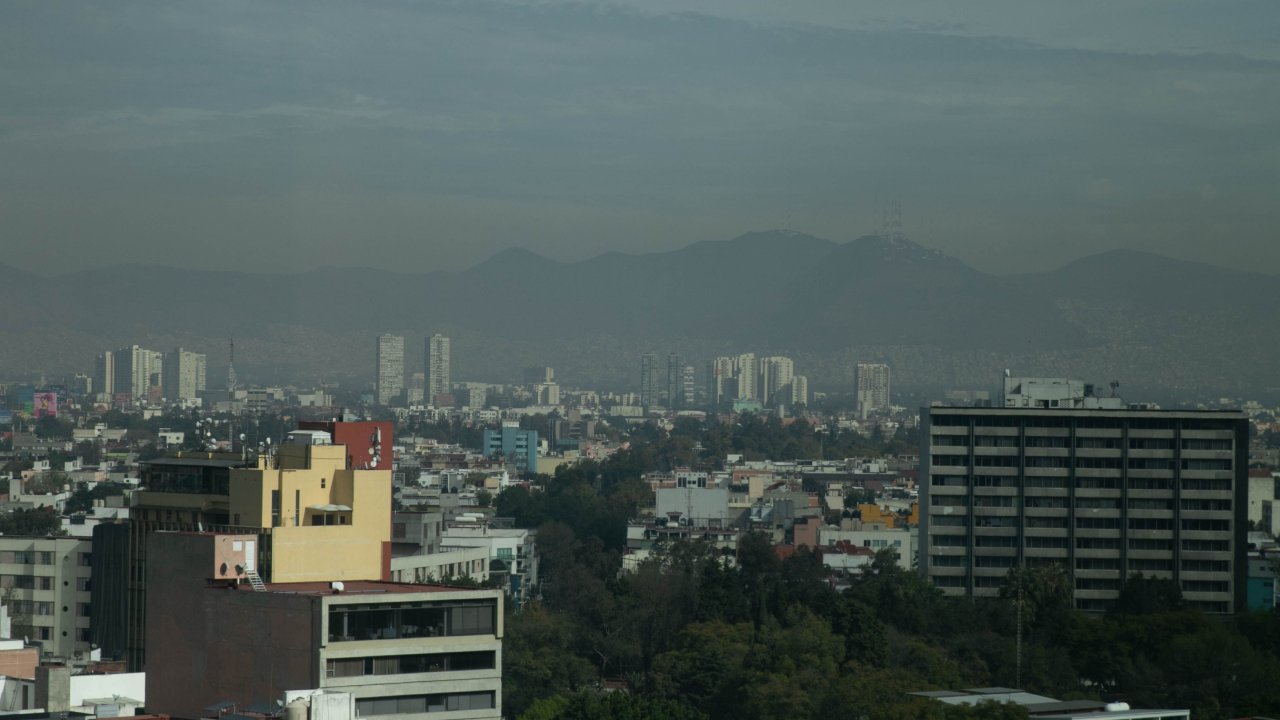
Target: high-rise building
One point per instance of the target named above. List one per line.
(873, 388)
(675, 381)
(437, 366)
(649, 380)
(104, 374)
(799, 390)
(744, 371)
(719, 381)
(688, 396)
(390, 381)
(776, 375)
(1104, 494)
(184, 375)
(137, 371)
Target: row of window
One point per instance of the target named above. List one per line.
(1009, 541)
(1082, 503)
(942, 419)
(1082, 443)
(358, 622)
(1084, 463)
(437, 702)
(1085, 483)
(408, 664)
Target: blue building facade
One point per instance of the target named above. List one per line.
(519, 447)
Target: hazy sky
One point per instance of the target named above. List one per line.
(418, 135)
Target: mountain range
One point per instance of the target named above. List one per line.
(1147, 320)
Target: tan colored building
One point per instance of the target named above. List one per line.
(315, 518)
(401, 650)
(45, 584)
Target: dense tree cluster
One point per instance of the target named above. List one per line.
(693, 636)
(770, 638)
(34, 522)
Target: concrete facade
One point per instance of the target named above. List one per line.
(1103, 493)
(399, 649)
(46, 586)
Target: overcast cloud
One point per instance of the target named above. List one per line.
(418, 135)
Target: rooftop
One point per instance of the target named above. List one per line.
(354, 587)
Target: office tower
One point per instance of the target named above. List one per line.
(390, 382)
(649, 380)
(799, 390)
(137, 370)
(1103, 493)
(184, 375)
(744, 371)
(873, 388)
(675, 381)
(104, 374)
(776, 374)
(719, 379)
(437, 367)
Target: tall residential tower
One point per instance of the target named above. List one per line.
(437, 366)
(390, 381)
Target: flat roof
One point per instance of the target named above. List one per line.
(1086, 412)
(356, 587)
(197, 462)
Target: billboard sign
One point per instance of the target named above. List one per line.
(45, 404)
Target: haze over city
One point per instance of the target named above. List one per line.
(639, 360)
(430, 135)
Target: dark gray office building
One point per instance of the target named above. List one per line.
(1104, 493)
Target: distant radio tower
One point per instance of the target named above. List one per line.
(891, 222)
(231, 369)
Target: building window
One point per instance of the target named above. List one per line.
(411, 704)
(411, 664)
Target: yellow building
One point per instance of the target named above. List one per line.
(316, 521)
(325, 522)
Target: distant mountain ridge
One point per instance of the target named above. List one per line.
(941, 323)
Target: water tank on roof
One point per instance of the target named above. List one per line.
(297, 710)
